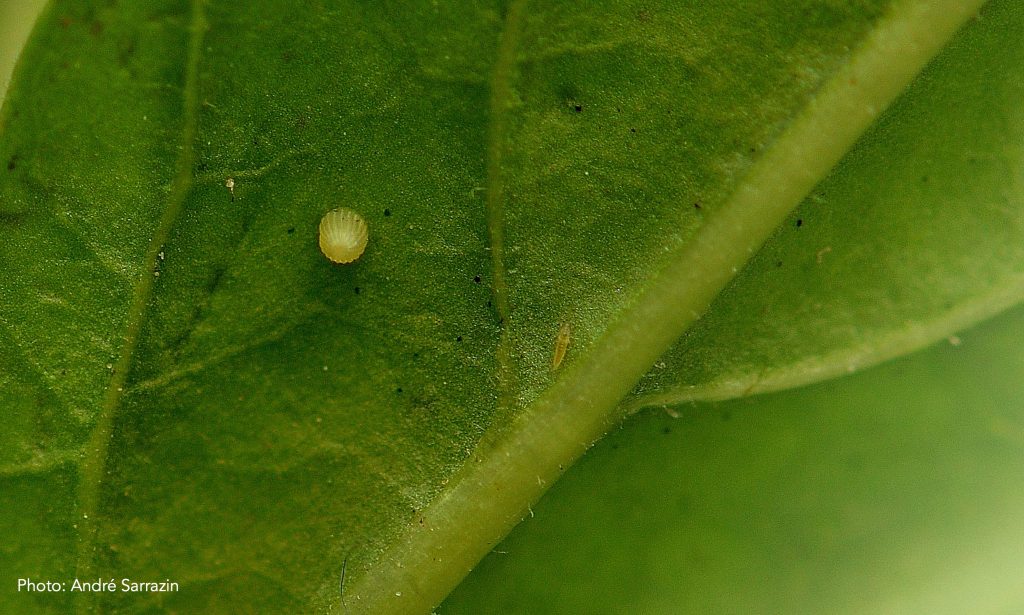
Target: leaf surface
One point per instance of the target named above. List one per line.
(195, 393)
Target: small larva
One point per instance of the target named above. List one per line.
(561, 345)
(343, 235)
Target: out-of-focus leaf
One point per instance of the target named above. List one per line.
(898, 490)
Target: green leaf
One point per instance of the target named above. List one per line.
(916, 233)
(195, 393)
(898, 490)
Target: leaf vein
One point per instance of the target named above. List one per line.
(501, 99)
(93, 466)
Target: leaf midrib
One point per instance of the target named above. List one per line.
(92, 466)
(496, 487)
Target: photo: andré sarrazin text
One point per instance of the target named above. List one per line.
(98, 586)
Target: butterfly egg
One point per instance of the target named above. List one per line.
(343, 235)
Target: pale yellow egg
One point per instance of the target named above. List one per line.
(343, 235)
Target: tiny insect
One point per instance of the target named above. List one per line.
(561, 345)
(230, 184)
(343, 235)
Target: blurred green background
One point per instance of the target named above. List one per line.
(16, 19)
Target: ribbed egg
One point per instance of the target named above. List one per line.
(343, 235)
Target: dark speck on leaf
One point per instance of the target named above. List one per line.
(398, 390)
(357, 290)
(458, 339)
(632, 130)
(11, 164)
(697, 205)
(291, 230)
(476, 279)
(387, 212)
(202, 166)
(488, 303)
(666, 430)
(778, 264)
(799, 222)
(578, 108)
